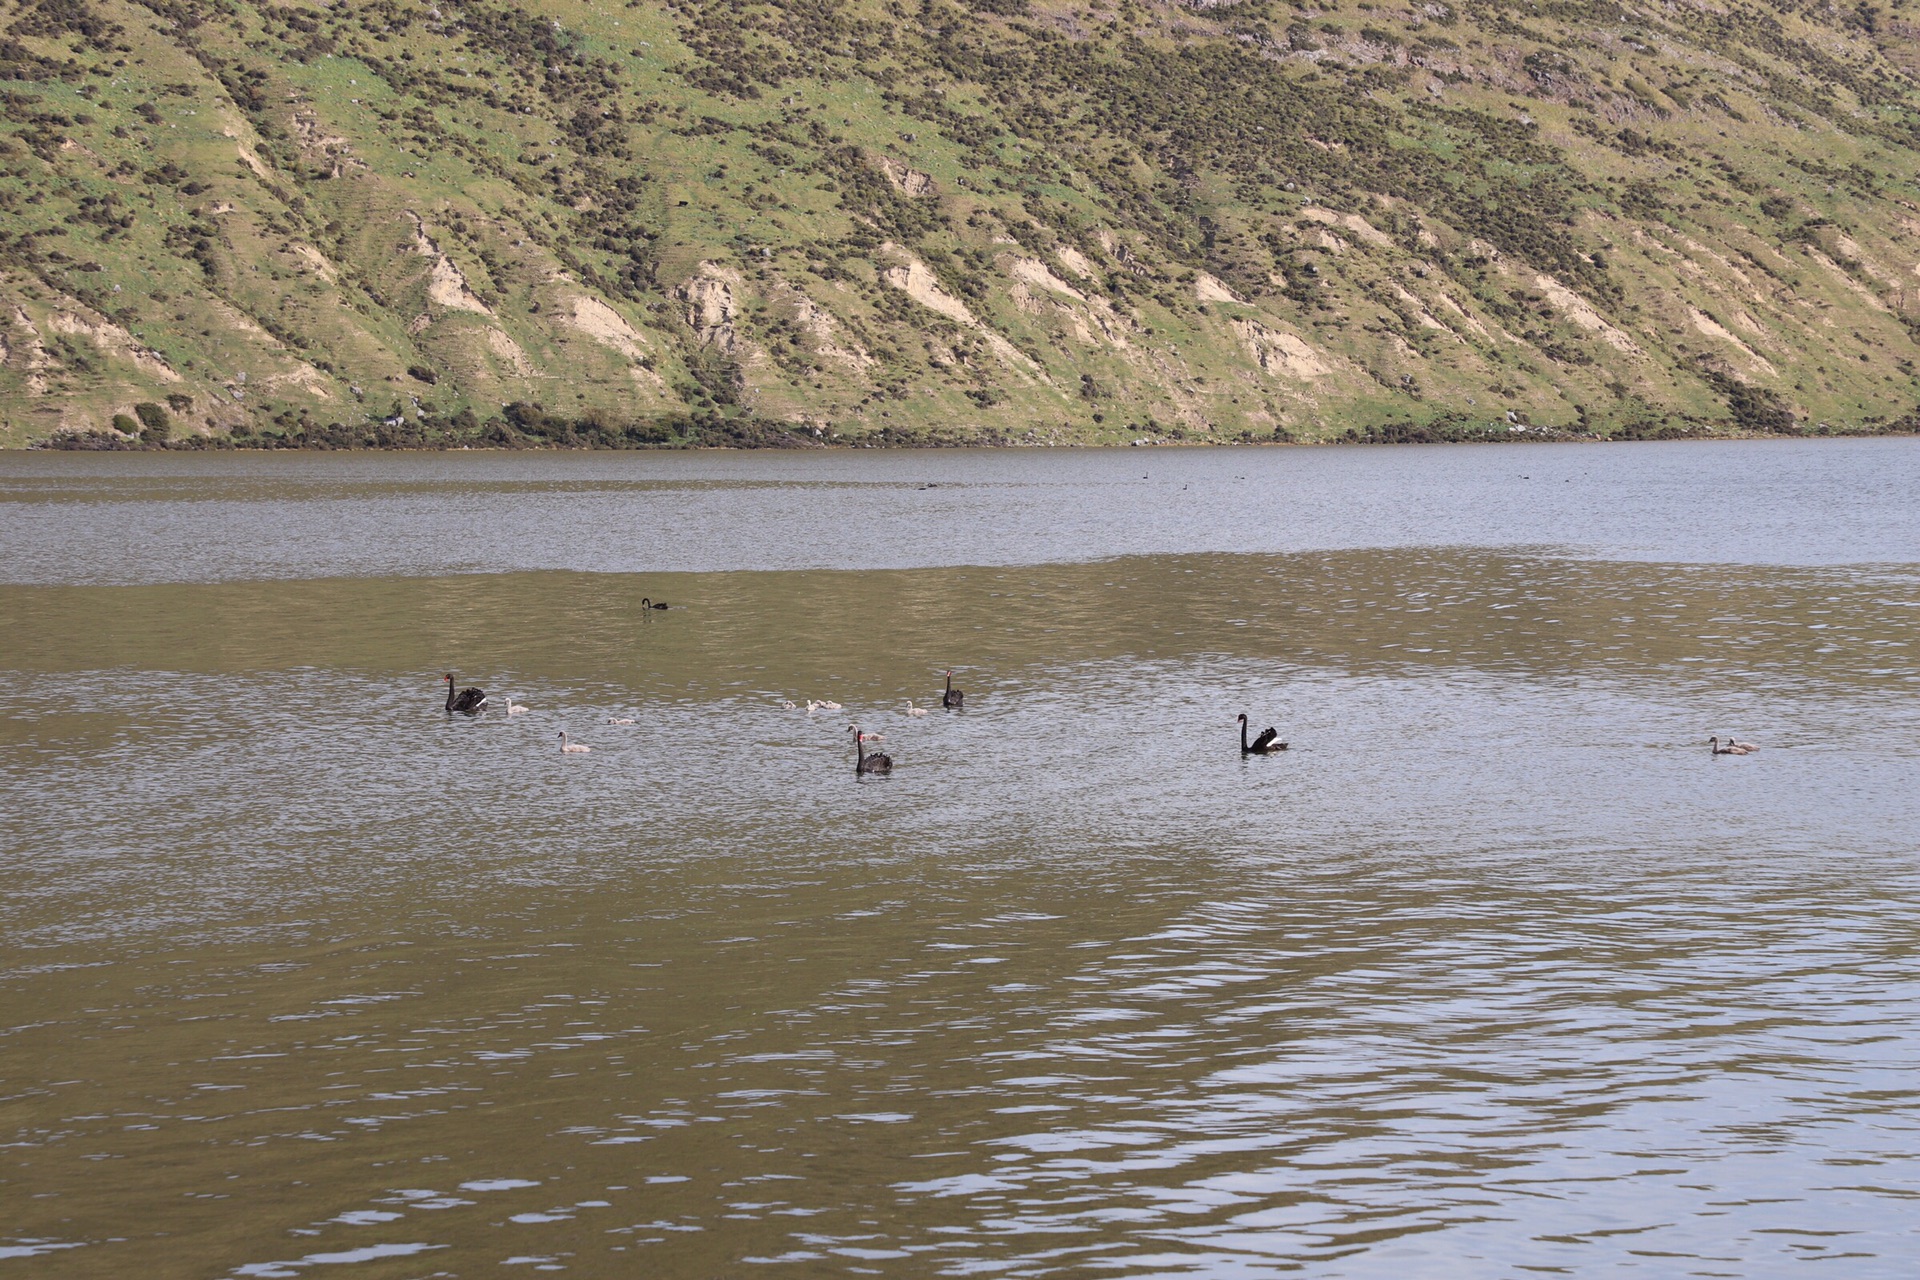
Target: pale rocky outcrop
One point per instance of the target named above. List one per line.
(909, 180)
(1208, 289)
(1075, 261)
(38, 362)
(510, 353)
(1464, 316)
(1279, 354)
(314, 141)
(1415, 305)
(115, 341)
(914, 279)
(1032, 271)
(1094, 320)
(1722, 265)
(1707, 325)
(712, 310)
(316, 260)
(818, 324)
(1582, 314)
(1121, 252)
(446, 287)
(303, 377)
(1353, 223)
(610, 329)
(1853, 286)
(606, 326)
(917, 282)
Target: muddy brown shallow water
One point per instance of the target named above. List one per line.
(1495, 972)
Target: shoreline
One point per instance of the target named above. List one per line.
(522, 426)
(100, 442)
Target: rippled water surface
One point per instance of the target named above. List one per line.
(1496, 972)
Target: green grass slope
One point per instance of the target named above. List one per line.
(1039, 221)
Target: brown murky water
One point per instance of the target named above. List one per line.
(1496, 972)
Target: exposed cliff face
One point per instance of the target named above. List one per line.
(1063, 221)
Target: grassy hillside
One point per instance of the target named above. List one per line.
(1024, 220)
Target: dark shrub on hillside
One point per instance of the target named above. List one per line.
(155, 426)
(1753, 408)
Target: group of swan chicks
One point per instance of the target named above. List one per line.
(473, 701)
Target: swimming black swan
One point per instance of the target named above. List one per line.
(878, 762)
(470, 702)
(952, 698)
(647, 602)
(1264, 745)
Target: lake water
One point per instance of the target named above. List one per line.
(1496, 972)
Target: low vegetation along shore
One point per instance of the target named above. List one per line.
(527, 427)
(746, 223)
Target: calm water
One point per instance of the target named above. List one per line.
(1497, 972)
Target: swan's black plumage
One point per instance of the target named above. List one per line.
(1264, 745)
(647, 602)
(469, 701)
(877, 762)
(952, 698)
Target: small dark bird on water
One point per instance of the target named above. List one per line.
(468, 702)
(647, 602)
(952, 698)
(1264, 745)
(877, 762)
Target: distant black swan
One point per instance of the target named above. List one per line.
(647, 602)
(1264, 745)
(469, 701)
(878, 762)
(952, 698)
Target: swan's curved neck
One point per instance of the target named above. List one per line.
(449, 693)
(1243, 734)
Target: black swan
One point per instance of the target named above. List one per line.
(647, 602)
(952, 698)
(878, 762)
(1264, 745)
(469, 701)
